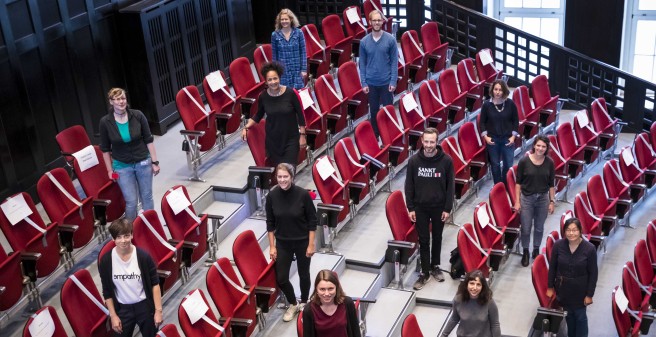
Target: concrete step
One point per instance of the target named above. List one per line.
(431, 319)
(387, 314)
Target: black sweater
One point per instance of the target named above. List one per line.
(578, 271)
(149, 277)
(430, 181)
(352, 323)
(535, 178)
(111, 141)
(291, 213)
(283, 117)
(502, 123)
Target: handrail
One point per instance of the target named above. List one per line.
(577, 78)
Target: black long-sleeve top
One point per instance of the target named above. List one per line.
(430, 181)
(535, 178)
(578, 271)
(111, 141)
(499, 123)
(284, 115)
(290, 213)
(149, 277)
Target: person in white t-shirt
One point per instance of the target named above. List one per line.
(130, 285)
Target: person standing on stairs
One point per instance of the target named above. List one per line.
(429, 193)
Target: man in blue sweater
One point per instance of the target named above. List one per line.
(378, 66)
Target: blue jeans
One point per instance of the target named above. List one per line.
(498, 152)
(378, 96)
(136, 182)
(577, 322)
(533, 214)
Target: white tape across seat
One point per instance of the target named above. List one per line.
(412, 39)
(314, 39)
(348, 154)
(261, 49)
(617, 173)
(89, 295)
(157, 236)
(555, 150)
(603, 108)
(192, 215)
(471, 80)
(635, 278)
(325, 81)
(641, 137)
(475, 242)
(198, 105)
(230, 281)
(65, 193)
(435, 97)
(585, 206)
(456, 151)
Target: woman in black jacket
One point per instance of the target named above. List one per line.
(330, 312)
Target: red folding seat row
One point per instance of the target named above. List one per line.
(490, 234)
(432, 105)
(473, 255)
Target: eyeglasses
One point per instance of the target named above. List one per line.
(376, 20)
(575, 230)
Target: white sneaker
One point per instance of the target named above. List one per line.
(290, 313)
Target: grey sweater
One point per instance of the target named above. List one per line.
(475, 319)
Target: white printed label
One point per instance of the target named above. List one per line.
(86, 158)
(325, 168)
(352, 15)
(195, 307)
(306, 99)
(483, 218)
(409, 102)
(486, 57)
(177, 200)
(215, 81)
(582, 118)
(16, 209)
(627, 156)
(42, 325)
(621, 300)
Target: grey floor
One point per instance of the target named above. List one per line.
(363, 242)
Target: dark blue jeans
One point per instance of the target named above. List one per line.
(577, 322)
(136, 182)
(378, 95)
(500, 151)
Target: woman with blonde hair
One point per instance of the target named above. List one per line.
(330, 313)
(288, 48)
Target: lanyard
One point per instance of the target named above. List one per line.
(88, 294)
(66, 194)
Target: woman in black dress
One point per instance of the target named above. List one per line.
(285, 123)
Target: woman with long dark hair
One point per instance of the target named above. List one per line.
(474, 308)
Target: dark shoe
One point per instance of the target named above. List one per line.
(437, 274)
(421, 281)
(536, 252)
(525, 258)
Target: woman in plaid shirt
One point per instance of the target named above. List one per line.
(288, 48)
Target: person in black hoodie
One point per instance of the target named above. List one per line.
(429, 192)
(291, 223)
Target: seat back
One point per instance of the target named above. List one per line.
(522, 100)
(643, 151)
(642, 263)
(229, 300)
(313, 46)
(623, 320)
(616, 187)
(256, 143)
(431, 103)
(564, 217)
(631, 288)
(601, 118)
(325, 91)
(511, 182)
(471, 144)
(472, 258)
(629, 167)
(59, 330)
(262, 54)
(96, 184)
(223, 101)
(540, 278)
(24, 236)
(332, 188)
(331, 26)
(501, 206)
(566, 141)
(391, 128)
(63, 210)
(551, 239)
(651, 239)
(74, 301)
(351, 86)
(184, 226)
(106, 248)
(169, 330)
(370, 5)
(466, 74)
(249, 257)
(451, 147)
(367, 143)
(195, 116)
(242, 76)
(430, 38)
(583, 211)
(448, 86)
(200, 328)
(355, 29)
(11, 277)
(486, 72)
(583, 129)
(413, 53)
(413, 119)
(72, 139)
(348, 164)
(411, 327)
(397, 217)
(488, 235)
(540, 90)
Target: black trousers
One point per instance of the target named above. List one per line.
(287, 249)
(140, 314)
(430, 256)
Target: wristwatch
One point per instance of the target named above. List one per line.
(553, 201)
(156, 162)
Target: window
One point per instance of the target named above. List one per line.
(543, 18)
(639, 54)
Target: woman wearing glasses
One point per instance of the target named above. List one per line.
(573, 276)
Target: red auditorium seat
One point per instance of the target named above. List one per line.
(64, 206)
(615, 186)
(586, 136)
(542, 98)
(568, 146)
(354, 26)
(223, 102)
(46, 316)
(430, 38)
(414, 56)
(432, 104)
(148, 234)
(182, 221)
(528, 116)
(80, 295)
(473, 150)
(351, 88)
(623, 319)
(637, 295)
(11, 278)
(399, 220)
(472, 254)
(590, 223)
(196, 118)
(511, 182)
(551, 239)
(253, 266)
(340, 44)
(645, 157)
(331, 104)
(393, 133)
(388, 21)
(487, 69)
(349, 165)
(540, 278)
(631, 173)
(503, 212)
(450, 94)
(607, 126)
(315, 121)
(71, 140)
(565, 167)
(470, 85)
(30, 234)
(169, 330)
(462, 171)
(207, 325)
(230, 297)
(332, 189)
(246, 86)
(411, 327)
(318, 55)
(651, 239)
(368, 146)
(489, 234)
(643, 264)
(262, 54)
(256, 141)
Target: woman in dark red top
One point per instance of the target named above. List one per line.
(330, 313)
